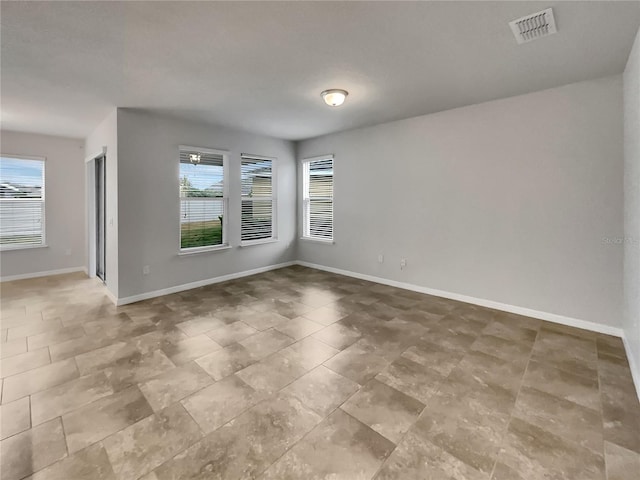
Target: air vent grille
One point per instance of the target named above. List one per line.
(534, 26)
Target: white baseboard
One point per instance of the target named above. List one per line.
(633, 366)
(48, 273)
(199, 283)
(110, 295)
(550, 317)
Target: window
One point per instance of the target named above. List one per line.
(203, 199)
(257, 224)
(318, 198)
(21, 202)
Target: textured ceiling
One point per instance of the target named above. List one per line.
(260, 66)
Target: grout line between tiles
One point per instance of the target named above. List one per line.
(323, 419)
(506, 428)
(604, 452)
(435, 392)
(64, 433)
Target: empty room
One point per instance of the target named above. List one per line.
(304, 240)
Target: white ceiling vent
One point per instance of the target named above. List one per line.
(534, 26)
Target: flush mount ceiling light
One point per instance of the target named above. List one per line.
(334, 97)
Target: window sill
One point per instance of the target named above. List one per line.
(318, 240)
(196, 250)
(21, 247)
(258, 242)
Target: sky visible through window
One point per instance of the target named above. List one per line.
(21, 172)
(201, 176)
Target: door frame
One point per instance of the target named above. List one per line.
(90, 210)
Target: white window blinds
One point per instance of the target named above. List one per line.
(21, 202)
(203, 198)
(318, 198)
(258, 199)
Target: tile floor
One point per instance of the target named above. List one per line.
(302, 374)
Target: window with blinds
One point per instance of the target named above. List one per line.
(318, 198)
(203, 198)
(21, 202)
(257, 222)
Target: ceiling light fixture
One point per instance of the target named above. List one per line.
(334, 97)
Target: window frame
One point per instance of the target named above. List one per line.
(306, 163)
(225, 245)
(43, 223)
(273, 198)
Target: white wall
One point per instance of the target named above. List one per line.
(106, 135)
(631, 323)
(507, 201)
(64, 205)
(149, 210)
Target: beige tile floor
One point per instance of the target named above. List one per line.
(302, 374)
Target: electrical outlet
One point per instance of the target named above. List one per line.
(145, 270)
(381, 258)
(403, 263)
